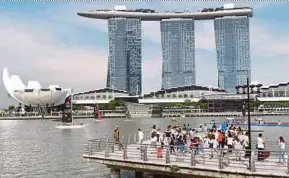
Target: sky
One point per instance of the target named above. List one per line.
(48, 42)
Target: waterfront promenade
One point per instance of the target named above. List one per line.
(142, 158)
(111, 114)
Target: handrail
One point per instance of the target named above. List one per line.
(211, 158)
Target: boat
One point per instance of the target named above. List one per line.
(67, 117)
(97, 114)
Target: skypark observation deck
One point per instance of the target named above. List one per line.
(157, 16)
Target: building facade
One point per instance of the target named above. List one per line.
(233, 51)
(124, 63)
(178, 52)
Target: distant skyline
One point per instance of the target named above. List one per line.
(48, 42)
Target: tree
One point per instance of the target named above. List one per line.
(180, 96)
(10, 108)
(185, 95)
(104, 96)
(174, 95)
(115, 103)
(191, 96)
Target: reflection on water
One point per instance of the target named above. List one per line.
(37, 149)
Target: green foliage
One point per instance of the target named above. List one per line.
(174, 168)
(10, 108)
(112, 104)
(78, 107)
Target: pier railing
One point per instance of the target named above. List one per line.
(227, 160)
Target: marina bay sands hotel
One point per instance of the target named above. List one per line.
(178, 45)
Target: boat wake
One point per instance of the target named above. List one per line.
(70, 126)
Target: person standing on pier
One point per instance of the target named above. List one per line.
(247, 145)
(260, 147)
(140, 136)
(116, 135)
(282, 150)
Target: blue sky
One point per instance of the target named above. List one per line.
(48, 42)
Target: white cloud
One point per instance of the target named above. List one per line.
(33, 54)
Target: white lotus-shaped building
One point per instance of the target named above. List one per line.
(33, 94)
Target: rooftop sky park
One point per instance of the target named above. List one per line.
(152, 15)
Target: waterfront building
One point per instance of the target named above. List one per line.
(233, 51)
(177, 43)
(178, 51)
(124, 63)
(33, 94)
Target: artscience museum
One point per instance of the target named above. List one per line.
(33, 94)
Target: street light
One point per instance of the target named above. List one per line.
(248, 87)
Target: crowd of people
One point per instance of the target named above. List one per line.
(224, 137)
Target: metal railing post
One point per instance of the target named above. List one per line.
(112, 148)
(193, 158)
(89, 149)
(220, 159)
(99, 145)
(128, 139)
(252, 159)
(107, 148)
(168, 155)
(287, 163)
(135, 138)
(125, 151)
(145, 153)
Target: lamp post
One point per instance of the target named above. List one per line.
(249, 120)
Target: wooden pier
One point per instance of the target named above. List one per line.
(142, 158)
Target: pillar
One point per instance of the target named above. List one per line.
(138, 174)
(114, 173)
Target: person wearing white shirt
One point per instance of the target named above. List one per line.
(247, 145)
(140, 136)
(282, 150)
(230, 142)
(260, 146)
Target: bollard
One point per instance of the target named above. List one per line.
(168, 155)
(220, 159)
(125, 151)
(193, 158)
(252, 162)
